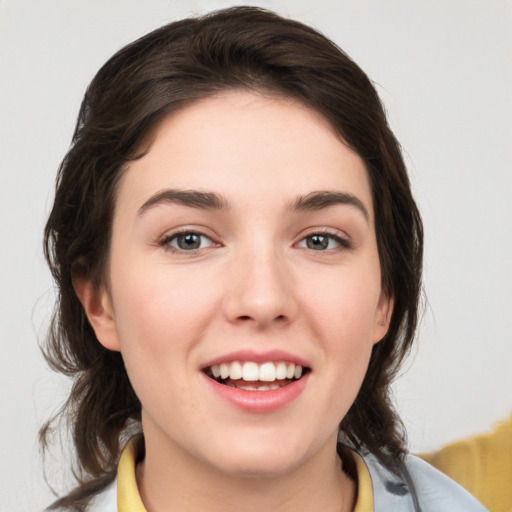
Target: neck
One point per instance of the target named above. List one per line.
(169, 479)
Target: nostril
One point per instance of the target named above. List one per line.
(248, 317)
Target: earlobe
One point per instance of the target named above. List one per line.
(383, 316)
(98, 308)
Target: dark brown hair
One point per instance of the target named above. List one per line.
(238, 48)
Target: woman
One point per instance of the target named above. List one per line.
(238, 256)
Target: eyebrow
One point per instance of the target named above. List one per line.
(190, 198)
(211, 201)
(324, 199)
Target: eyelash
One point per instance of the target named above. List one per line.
(343, 243)
(167, 240)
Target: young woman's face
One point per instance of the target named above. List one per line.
(244, 244)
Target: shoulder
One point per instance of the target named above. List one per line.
(105, 501)
(436, 492)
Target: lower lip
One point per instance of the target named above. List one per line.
(259, 401)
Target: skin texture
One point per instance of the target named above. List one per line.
(253, 284)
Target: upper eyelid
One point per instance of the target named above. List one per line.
(338, 233)
(200, 230)
(312, 231)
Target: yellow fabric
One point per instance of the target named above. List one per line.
(482, 465)
(129, 500)
(364, 501)
(128, 497)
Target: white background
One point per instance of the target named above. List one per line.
(443, 68)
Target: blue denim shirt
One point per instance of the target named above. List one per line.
(419, 488)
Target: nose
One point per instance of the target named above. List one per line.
(260, 290)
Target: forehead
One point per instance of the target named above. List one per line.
(248, 147)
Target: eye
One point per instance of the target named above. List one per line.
(323, 242)
(187, 241)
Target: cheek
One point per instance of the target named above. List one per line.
(342, 316)
(345, 307)
(158, 318)
(160, 310)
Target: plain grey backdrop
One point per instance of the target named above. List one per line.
(444, 71)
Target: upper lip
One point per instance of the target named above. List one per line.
(275, 355)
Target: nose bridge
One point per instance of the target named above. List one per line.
(261, 287)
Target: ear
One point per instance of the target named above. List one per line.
(98, 308)
(382, 316)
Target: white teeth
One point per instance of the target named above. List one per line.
(267, 372)
(263, 387)
(249, 388)
(235, 370)
(251, 372)
(290, 371)
(281, 371)
(224, 371)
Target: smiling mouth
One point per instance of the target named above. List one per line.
(252, 376)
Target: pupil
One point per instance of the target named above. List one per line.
(189, 241)
(317, 242)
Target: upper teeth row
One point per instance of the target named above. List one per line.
(251, 371)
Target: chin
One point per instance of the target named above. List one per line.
(259, 467)
(260, 460)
